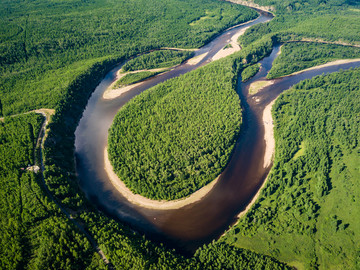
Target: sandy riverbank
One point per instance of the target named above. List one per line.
(269, 150)
(233, 46)
(112, 93)
(195, 60)
(333, 63)
(253, 5)
(257, 86)
(198, 195)
(148, 203)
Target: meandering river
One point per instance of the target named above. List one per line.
(195, 224)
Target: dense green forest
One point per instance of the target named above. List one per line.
(45, 45)
(327, 21)
(129, 250)
(250, 72)
(133, 78)
(301, 55)
(307, 214)
(177, 137)
(34, 234)
(53, 53)
(157, 59)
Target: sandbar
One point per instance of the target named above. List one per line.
(195, 60)
(333, 63)
(111, 93)
(258, 86)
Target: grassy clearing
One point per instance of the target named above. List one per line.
(301, 151)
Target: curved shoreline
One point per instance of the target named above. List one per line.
(328, 64)
(199, 194)
(149, 203)
(120, 185)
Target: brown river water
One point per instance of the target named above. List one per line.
(198, 223)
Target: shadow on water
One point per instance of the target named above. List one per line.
(191, 226)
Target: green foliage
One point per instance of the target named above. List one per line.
(45, 45)
(312, 199)
(338, 24)
(301, 55)
(177, 137)
(292, 6)
(129, 250)
(250, 72)
(33, 235)
(157, 59)
(133, 78)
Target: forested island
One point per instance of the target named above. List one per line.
(179, 135)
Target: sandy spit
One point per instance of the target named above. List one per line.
(111, 93)
(253, 5)
(235, 47)
(257, 86)
(195, 60)
(333, 63)
(148, 203)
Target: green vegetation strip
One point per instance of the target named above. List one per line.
(250, 72)
(177, 137)
(157, 59)
(307, 214)
(134, 78)
(301, 55)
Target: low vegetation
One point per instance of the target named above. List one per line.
(307, 213)
(157, 59)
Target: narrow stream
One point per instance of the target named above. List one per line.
(189, 227)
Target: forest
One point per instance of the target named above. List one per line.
(34, 234)
(54, 53)
(157, 59)
(307, 213)
(175, 138)
(301, 55)
(249, 72)
(46, 45)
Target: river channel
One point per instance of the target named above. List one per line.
(193, 225)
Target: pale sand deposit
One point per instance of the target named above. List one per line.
(111, 93)
(258, 86)
(195, 60)
(148, 203)
(269, 150)
(235, 47)
(333, 63)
